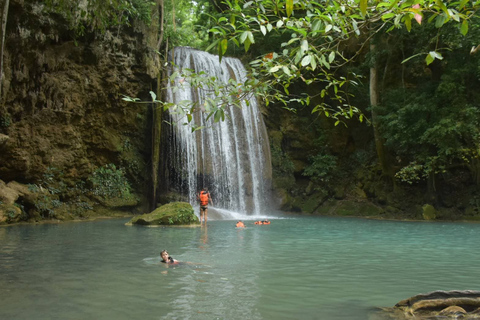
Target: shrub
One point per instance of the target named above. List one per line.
(110, 182)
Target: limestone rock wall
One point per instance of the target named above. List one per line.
(61, 101)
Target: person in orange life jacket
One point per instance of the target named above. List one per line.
(240, 224)
(204, 197)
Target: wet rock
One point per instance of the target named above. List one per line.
(454, 304)
(453, 311)
(9, 214)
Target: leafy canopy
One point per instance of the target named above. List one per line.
(317, 35)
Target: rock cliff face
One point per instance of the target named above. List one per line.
(61, 114)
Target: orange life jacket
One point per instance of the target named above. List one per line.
(258, 222)
(203, 198)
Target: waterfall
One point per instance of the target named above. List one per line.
(232, 157)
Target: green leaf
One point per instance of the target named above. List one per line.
(437, 55)
(464, 27)
(304, 45)
(462, 4)
(224, 46)
(328, 28)
(313, 63)
(363, 7)
(331, 56)
(289, 7)
(274, 69)
(153, 95)
(408, 22)
(247, 44)
(250, 37)
(440, 20)
(269, 27)
(442, 6)
(306, 60)
(430, 58)
(243, 36)
(388, 16)
(286, 70)
(263, 30)
(316, 25)
(212, 45)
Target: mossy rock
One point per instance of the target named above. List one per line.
(117, 202)
(311, 203)
(9, 214)
(429, 212)
(174, 213)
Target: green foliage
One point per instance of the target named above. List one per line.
(321, 168)
(52, 180)
(411, 173)
(184, 31)
(100, 14)
(184, 216)
(282, 165)
(45, 205)
(313, 36)
(5, 120)
(110, 182)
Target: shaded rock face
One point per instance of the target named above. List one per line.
(174, 213)
(61, 99)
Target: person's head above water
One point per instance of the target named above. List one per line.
(165, 256)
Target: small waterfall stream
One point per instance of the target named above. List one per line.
(231, 158)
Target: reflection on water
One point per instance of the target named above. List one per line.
(302, 267)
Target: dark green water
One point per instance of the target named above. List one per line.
(296, 268)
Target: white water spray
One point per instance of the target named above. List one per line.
(232, 157)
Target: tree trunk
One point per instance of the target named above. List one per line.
(161, 19)
(374, 98)
(6, 4)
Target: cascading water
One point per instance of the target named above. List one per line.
(231, 158)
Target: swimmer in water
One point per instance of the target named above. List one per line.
(240, 224)
(166, 257)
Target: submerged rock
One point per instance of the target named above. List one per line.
(174, 213)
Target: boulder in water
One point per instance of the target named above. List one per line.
(174, 213)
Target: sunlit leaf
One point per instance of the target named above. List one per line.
(224, 46)
(263, 30)
(289, 7)
(306, 60)
(430, 58)
(464, 27)
(363, 7)
(153, 95)
(243, 36)
(331, 56)
(274, 69)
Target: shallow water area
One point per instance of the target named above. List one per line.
(296, 267)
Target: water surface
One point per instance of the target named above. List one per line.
(299, 267)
